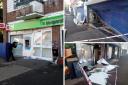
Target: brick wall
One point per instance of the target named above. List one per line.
(53, 6)
(49, 7)
(56, 37)
(11, 16)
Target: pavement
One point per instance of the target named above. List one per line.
(30, 72)
(76, 81)
(82, 32)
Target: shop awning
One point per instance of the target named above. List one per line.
(47, 21)
(114, 13)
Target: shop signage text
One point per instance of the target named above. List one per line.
(38, 23)
(51, 22)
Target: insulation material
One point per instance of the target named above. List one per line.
(99, 78)
(110, 67)
(102, 61)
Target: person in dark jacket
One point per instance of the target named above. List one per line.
(55, 51)
(11, 46)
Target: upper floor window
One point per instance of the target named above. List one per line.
(50, 2)
(18, 3)
(53, 2)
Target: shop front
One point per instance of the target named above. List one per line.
(36, 38)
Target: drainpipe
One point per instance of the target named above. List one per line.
(5, 33)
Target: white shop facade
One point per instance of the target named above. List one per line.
(37, 37)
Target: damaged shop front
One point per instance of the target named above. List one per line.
(110, 14)
(93, 62)
(38, 38)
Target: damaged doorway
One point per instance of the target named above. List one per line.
(96, 53)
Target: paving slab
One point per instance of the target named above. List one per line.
(31, 72)
(12, 71)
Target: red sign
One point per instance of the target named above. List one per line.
(2, 26)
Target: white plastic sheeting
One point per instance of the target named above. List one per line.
(80, 14)
(102, 61)
(110, 67)
(84, 53)
(99, 78)
(79, 18)
(102, 75)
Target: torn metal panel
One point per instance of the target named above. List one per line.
(114, 13)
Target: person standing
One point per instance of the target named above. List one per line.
(11, 46)
(55, 51)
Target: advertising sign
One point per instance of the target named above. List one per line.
(2, 26)
(38, 23)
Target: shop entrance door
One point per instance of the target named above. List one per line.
(27, 45)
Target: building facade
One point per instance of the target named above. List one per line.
(37, 26)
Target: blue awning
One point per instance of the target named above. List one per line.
(114, 13)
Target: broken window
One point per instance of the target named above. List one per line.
(27, 44)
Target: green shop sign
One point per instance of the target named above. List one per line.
(38, 23)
